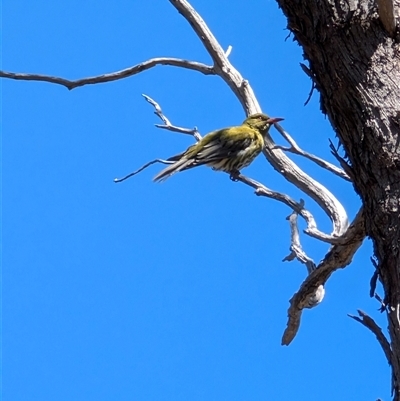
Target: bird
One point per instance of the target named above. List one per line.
(227, 149)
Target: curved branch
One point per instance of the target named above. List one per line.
(296, 250)
(338, 257)
(114, 76)
(222, 65)
(370, 323)
(298, 207)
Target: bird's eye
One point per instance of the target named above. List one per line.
(261, 118)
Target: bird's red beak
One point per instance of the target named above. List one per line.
(274, 120)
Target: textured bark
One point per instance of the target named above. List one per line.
(355, 64)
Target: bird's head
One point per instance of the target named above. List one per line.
(261, 121)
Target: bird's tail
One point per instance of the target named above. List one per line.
(178, 165)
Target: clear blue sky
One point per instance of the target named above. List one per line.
(173, 291)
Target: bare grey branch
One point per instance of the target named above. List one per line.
(228, 51)
(114, 76)
(338, 257)
(116, 180)
(298, 253)
(298, 207)
(167, 124)
(295, 246)
(295, 148)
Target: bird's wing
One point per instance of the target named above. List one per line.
(223, 144)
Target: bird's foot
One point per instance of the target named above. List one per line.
(234, 175)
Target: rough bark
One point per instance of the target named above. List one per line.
(355, 64)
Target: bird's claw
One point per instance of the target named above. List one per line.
(234, 176)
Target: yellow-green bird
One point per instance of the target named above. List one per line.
(227, 149)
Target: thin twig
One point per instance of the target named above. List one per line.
(307, 71)
(372, 283)
(372, 290)
(141, 169)
(313, 86)
(295, 148)
(342, 162)
(298, 253)
(228, 51)
(383, 306)
(114, 76)
(370, 324)
(167, 124)
(296, 249)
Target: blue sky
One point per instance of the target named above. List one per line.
(173, 291)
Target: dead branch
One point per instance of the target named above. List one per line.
(298, 207)
(295, 148)
(114, 76)
(116, 180)
(338, 257)
(370, 324)
(296, 250)
(167, 124)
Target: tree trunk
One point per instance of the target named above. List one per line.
(354, 61)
